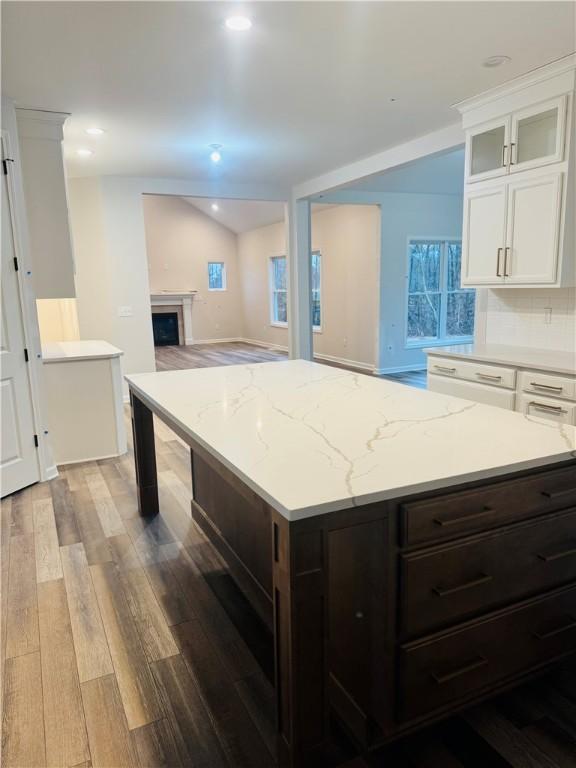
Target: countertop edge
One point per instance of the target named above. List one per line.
(516, 362)
(301, 513)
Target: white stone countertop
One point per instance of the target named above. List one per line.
(312, 439)
(520, 357)
(64, 351)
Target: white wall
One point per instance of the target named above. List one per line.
(348, 237)
(180, 241)
(406, 216)
(107, 220)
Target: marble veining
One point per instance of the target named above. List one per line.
(312, 439)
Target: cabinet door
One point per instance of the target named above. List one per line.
(537, 136)
(531, 254)
(483, 236)
(487, 150)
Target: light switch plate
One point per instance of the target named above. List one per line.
(124, 311)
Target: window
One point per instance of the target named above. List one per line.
(316, 282)
(278, 292)
(439, 309)
(216, 276)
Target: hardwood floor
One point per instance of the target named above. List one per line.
(126, 643)
(234, 353)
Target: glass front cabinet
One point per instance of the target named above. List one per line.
(525, 139)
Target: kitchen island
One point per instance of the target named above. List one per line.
(412, 552)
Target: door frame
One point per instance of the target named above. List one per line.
(16, 203)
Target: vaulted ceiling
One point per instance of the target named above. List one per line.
(312, 86)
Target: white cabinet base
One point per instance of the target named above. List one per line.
(84, 402)
(479, 393)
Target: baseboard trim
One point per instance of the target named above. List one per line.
(51, 472)
(398, 369)
(344, 361)
(214, 341)
(330, 358)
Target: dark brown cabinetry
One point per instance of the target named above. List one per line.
(392, 614)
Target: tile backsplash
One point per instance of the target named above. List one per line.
(537, 318)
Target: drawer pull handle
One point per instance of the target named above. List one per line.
(558, 555)
(481, 661)
(554, 632)
(463, 518)
(546, 407)
(546, 386)
(445, 369)
(489, 377)
(444, 592)
(558, 494)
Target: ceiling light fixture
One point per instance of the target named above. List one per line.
(238, 23)
(95, 131)
(84, 152)
(495, 61)
(215, 207)
(215, 155)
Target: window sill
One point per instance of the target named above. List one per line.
(216, 290)
(279, 325)
(316, 329)
(439, 343)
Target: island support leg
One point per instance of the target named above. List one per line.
(299, 635)
(144, 457)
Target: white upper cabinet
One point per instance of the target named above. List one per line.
(528, 138)
(537, 135)
(487, 150)
(520, 181)
(511, 231)
(533, 229)
(484, 235)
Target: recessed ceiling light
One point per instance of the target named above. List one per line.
(495, 61)
(238, 23)
(95, 131)
(84, 152)
(215, 207)
(215, 155)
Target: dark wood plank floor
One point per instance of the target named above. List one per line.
(126, 643)
(234, 353)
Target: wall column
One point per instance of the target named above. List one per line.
(299, 246)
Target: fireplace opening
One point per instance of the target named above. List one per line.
(165, 328)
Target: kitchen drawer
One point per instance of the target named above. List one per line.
(559, 411)
(470, 370)
(442, 518)
(479, 393)
(441, 670)
(548, 384)
(449, 584)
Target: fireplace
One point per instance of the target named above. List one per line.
(167, 302)
(165, 328)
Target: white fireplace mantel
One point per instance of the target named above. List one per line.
(177, 298)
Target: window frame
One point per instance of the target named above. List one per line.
(318, 252)
(224, 283)
(443, 291)
(272, 290)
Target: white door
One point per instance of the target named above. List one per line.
(533, 229)
(484, 235)
(18, 454)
